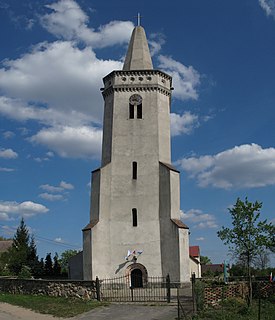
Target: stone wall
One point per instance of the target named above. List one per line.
(54, 288)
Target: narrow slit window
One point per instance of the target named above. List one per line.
(139, 111)
(131, 111)
(134, 168)
(134, 216)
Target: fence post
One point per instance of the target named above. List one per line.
(168, 287)
(193, 280)
(97, 287)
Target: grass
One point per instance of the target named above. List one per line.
(56, 306)
(232, 309)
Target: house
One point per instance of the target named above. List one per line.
(195, 265)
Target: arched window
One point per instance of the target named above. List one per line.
(134, 217)
(134, 170)
(135, 102)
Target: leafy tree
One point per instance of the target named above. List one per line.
(248, 236)
(205, 260)
(65, 256)
(48, 266)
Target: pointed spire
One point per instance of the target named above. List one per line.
(138, 55)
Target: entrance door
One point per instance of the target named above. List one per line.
(136, 278)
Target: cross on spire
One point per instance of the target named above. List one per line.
(138, 19)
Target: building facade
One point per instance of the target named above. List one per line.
(135, 225)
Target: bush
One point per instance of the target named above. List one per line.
(25, 273)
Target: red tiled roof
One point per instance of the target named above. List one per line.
(194, 251)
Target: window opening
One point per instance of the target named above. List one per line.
(134, 169)
(139, 111)
(131, 111)
(134, 216)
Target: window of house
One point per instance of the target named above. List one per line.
(134, 217)
(134, 170)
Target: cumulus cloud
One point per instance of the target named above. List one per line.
(62, 78)
(245, 166)
(269, 7)
(183, 124)
(156, 41)
(68, 21)
(51, 197)
(8, 154)
(199, 219)
(55, 193)
(185, 79)
(10, 209)
(78, 142)
(66, 186)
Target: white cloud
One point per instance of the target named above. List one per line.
(68, 21)
(78, 142)
(183, 124)
(245, 166)
(59, 239)
(59, 75)
(268, 6)
(8, 134)
(2, 169)
(185, 79)
(50, 188)
(4, 216)
(56, 192)
(8, 154)
(200, 239)
(156, 41)
(51, 197)
(67, 186)
(25, 209)
(199, 219)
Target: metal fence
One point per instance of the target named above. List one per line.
(129, 289)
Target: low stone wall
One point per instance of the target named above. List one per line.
(54, 288)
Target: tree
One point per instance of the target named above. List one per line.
(205, 260)
(48, 266)
(248, 236)
(65, 256)
(18, 254)
(56, 266)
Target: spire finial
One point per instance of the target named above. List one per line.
(138, 19)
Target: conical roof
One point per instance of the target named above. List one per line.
(138, 55)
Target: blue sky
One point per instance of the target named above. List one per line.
(53, 57)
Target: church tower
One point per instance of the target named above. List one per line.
(135, 222)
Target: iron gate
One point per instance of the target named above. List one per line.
(134, 289)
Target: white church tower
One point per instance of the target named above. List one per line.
(135, 225)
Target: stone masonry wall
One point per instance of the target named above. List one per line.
(56, 288)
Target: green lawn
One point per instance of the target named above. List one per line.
(56, 306)
(236, 309)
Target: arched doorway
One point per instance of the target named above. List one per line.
(137, 275)
(136, 278)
